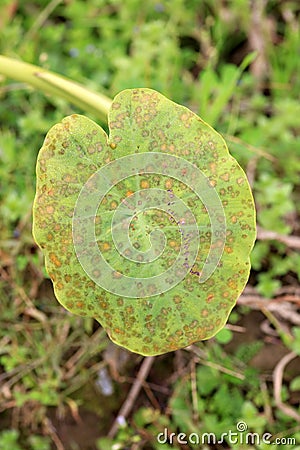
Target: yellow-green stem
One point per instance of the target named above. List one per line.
(54, 84)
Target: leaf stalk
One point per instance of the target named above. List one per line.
(54, 84)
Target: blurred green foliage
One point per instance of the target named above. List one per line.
(198, 53)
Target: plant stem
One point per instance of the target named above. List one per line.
(54, 84)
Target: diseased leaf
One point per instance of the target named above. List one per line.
(148, 230)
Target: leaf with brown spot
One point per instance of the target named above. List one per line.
(149, 229)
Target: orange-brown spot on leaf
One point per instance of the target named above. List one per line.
(55, 260)
(213, 167)
(118, 331)
(80, 305)
(204, 312)
(65, 144)
(116, 105)
(68, 178)
(186, 119)
(117, 274)
(105, 246)
(70, 305)
(49, 209)
(150, 327)
(232, 284)
(50, 192)
(169, 183)
(225, 176)
(179, 332)
(103, 304)
(209, 298)
(144, 184)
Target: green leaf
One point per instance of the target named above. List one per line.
(252, 418)
(295, 345)
(148, 230)
(267, 286)
(9, 440)
(208, 380)
(295, 384)
(39, 442)
(224, 336)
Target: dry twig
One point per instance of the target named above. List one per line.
(267, 402)
(199, 359)
(282, 304)
(133, 393)
(258, 38)
(194, 390)
(259, 151)
(50, 431)
(277, 381)
(290, 241)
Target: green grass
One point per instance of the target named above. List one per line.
(198, 54)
